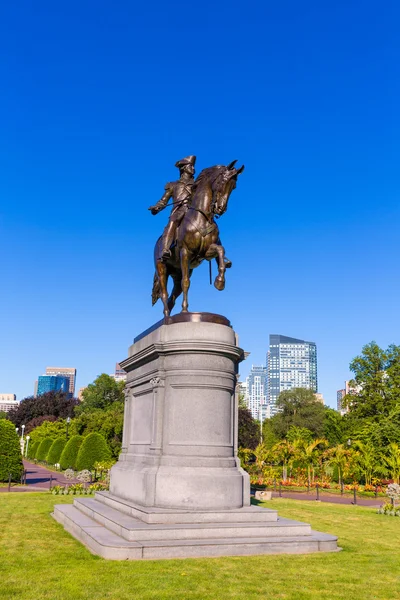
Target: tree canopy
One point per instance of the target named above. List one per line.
(55, 404)
(298, 407)
(101, 394)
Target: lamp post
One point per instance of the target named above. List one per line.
(16, 430)
(349, 442)
(22, 441)
(28, 437)
(68, 422)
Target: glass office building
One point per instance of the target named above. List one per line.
(256, 392)
(52, 383)
(291, 363)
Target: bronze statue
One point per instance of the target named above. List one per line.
(197, 236)
(180, 191)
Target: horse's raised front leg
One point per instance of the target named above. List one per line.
(184, 254)
(162, 278)
(218, 252)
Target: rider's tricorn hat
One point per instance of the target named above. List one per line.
(189, 160)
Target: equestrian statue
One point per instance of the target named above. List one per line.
(192, 234)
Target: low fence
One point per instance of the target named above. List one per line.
(319, 493)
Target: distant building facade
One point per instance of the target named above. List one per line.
(256, 392)
(292, 363)
(119, 374)
(319, 397)
(68, 372)
(7, 402)
(340, 394)
(52, 383)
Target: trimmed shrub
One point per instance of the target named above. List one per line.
(55, 451)
(10, 452)
(70, 453)
(32, 449)
(44, 448)
(93, 449)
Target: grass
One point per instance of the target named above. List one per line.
(40, 561)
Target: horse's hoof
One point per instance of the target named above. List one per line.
(184, 310)
(219, 284)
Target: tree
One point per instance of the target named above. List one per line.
(49, 429)
(300, 408)
(101, 394)
(392, 462)
(261, 454)
(37, 421)
(32, 449)
(376, 384)
(269, 438)
(3, 414)
(55, 451)
(284, 453)
(333, 429)
(296, 434)
(308, 455)
(93, 449)
(108, 422)
(367, 460)
(56, 404)
(339, 457)
(10, 452)
(248, 430)
(70, 453)
(43, 449)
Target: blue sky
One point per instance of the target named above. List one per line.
(98, 102)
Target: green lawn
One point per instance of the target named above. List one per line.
(39, 560)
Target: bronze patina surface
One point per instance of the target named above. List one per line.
(192, 234)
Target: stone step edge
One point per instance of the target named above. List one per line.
(159, 515)
(111, 521)
(120, 549)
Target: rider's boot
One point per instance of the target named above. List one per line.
(168, 238)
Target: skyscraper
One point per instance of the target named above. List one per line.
(292, 363)
(256, 392)
(119, 374)
(68, 372)
(52, 383)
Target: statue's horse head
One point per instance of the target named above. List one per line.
(222, 181)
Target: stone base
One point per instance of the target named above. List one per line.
(123, 530)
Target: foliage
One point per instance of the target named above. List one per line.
(392, 462)
(44, 448)
(308, 455)
(108, 422)
(296, 434)
(341, 458)
(10, 452)
(52, 429)
(269, 437)
(37, 421)
(393, 491)
(55, 451)
(3, 414)
(248, 430)
(333, 427)
(376, 385)
(389, 509)
(33, 448)
(367, 460)
(298, 407)
(284, 453)
(101, 394)
(70, 453)
(93, 449)
(56, 404)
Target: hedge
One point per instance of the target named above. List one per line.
(93, 449)
(44, 448)
(32, 449)
(70, 453)
(10, 452)
(55, 451)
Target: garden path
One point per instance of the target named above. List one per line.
(38, 479)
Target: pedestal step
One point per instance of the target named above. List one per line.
(168, 541)
(133, 529)
(247, 514)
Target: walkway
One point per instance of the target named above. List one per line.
(324, 496)
(38, 479)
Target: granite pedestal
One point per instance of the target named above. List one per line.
(177, 489)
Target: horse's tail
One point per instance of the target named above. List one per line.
(155, 294)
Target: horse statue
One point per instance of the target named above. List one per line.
(197, 237)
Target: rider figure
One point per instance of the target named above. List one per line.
(181, 192)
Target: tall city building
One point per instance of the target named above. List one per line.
(256, 392)
(68, 372)
(7, 402)
(292, 363)
(52, 383)
(340, 394)
(119, 374)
